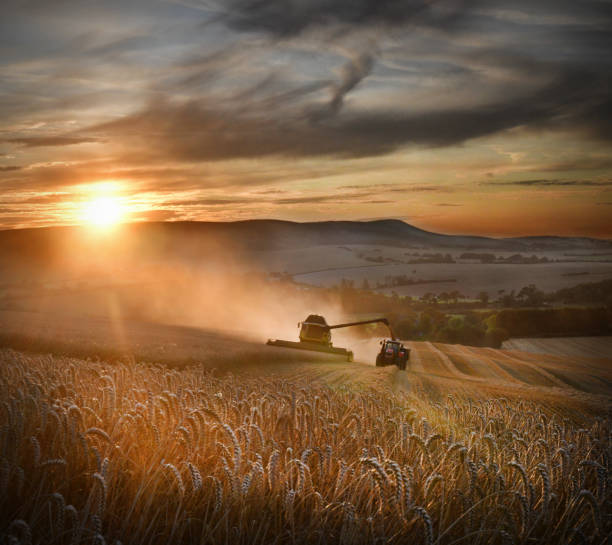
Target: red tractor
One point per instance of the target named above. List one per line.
(393, 352)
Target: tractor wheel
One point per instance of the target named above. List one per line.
(379, 362)
(402, 364)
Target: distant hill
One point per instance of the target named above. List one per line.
(176, 240)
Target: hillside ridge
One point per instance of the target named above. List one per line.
(197, 238)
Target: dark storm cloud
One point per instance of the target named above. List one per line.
(574, 99)
(277, 116)
(284, 18)
(353, 72)
(268, 95)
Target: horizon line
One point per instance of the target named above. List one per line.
(380, 220)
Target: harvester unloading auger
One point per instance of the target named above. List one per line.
(315, 334)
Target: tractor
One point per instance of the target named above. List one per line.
(392, 352)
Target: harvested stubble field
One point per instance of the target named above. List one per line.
(319, 452)
(590, 347)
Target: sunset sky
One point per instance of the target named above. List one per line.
(458, 116)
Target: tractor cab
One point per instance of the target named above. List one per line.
(392, 353)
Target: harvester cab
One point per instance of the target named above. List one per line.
(315, 329)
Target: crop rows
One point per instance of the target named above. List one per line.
(142, 454)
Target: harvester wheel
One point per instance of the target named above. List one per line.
(378, 361)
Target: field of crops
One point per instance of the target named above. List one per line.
(302, 453)
(588, 347)
(474, 368)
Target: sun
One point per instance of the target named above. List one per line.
(103, 212)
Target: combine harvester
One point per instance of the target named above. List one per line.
(315, 335)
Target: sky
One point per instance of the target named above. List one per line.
(457, 116)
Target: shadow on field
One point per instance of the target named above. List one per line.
(176, 346)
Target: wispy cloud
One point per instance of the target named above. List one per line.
(399, 188)
(43, 198)
(273, 199)
(58, 140)
(549, 183)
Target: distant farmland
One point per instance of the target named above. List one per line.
(470, 279)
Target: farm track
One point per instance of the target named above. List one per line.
(436, 362)
(468, 363)
(446, 362)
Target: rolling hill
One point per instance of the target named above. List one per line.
(189, 240)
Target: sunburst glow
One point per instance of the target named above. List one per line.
(103, 211)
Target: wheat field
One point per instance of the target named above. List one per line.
(99, 453)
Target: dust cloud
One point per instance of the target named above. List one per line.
(243, 303)
(185, 279)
